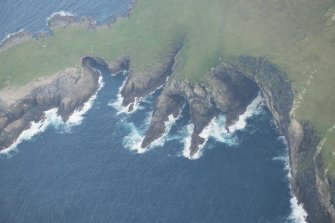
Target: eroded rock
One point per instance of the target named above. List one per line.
(226, 92)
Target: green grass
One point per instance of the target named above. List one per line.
(328, 155)
(291, 34)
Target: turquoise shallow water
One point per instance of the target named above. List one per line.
(88, 174)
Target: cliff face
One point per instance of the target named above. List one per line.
(228, 90)
(303, 141)
(140, 85)
(67, 91)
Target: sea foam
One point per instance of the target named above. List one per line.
(117, 103)
(77, 117)
(298, 213)
(61, 13)
(10, 35)
(217, 131)
(253, 108)
(134, 140)
(186, 140)
(51, 117)
(35, 128)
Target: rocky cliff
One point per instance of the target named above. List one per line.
(300, 135)
(229, 89)
(225, 92)
(67, 91)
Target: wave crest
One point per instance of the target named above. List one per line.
(298, 213)
(62, 14)
(133, 141)
(51, 117)
(217, 131)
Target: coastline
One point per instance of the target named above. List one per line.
(294, 131)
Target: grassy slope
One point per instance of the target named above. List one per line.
(291, 34)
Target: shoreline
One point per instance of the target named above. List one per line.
(294, 131)
(58, 19)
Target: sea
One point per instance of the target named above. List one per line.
(92, 169)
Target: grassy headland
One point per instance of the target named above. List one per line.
(298, 36)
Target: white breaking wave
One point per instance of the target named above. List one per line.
(10, 35)
(61, 13)
(134, 140)
(77, 117)
(35, 128)
(187, 139)
(298, 213)
(253, 109)
(51, 117)
(216, 129)
(117, 104)
(168, 125)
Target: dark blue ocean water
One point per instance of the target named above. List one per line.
(87, 175)
(32, 15)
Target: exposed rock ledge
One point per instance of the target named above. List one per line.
(302, 139)
(228, 90)
(67, 91)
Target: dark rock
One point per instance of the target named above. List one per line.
(140, 85)
(9, 134)
(301, 136)
(15, 39)
(221, 95)
(305, 178)
(61, 20)
(68, 91)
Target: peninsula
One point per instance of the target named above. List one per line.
(215, 56)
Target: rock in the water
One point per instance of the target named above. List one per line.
(69, 90)
(227, 91)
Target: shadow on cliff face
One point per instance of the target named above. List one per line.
(228, 90)
(68, 91)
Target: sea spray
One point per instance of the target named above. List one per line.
(51, 117)
(137, 104)
(35, 128)
(217, 131)
(77, 117)
(117, 103)
(298, 213)
(187, 138)
(134, 139)
(62, 14)
(11, 35)
(254, 108)
(168, 125)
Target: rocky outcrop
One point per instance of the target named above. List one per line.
(141, 84)
(306, 180)
(301, 137)
(15, 39)
(67, 92)
(64, 19)
(57, 20)
(226, 92)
